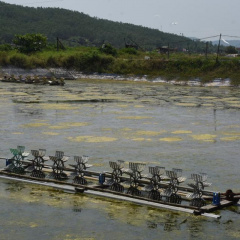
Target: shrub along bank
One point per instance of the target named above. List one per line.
(128, 61)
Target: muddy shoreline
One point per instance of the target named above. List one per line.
(72, 75)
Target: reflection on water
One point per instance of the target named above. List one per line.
(194, 128)
(215, 119)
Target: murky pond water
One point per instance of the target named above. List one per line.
(193, 128)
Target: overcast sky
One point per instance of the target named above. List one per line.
(192, 18)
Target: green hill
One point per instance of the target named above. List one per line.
(75, 28)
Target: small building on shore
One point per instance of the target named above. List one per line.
(164, 49)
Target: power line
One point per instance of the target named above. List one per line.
(231, 36)
(208, 37)
(192, 40)
(46, 1)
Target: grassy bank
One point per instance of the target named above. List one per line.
(131, 62)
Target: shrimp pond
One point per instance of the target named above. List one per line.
(193, 128)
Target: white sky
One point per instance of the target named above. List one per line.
(192, 18)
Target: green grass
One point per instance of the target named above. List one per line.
(129, 61)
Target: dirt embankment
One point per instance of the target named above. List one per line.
(72, 75)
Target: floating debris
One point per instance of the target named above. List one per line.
(34, 80)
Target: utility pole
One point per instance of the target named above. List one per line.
(218, 47)
(168, 50)
(206, 53)
(57, 44)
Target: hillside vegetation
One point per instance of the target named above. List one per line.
(83, 38)
(78, 29)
